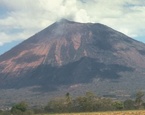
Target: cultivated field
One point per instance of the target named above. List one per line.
(141, 112)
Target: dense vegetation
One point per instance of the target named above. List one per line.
(87, 103)
(91, 103)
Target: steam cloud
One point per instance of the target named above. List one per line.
(23, 18)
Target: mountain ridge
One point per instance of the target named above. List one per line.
(65, 54)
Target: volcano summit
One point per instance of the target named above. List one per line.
(75, 57)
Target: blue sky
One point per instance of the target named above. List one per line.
(20, 19)
(5, 47)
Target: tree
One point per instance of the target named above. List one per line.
(85, 103)
(104, 104)
(68, 102)
(56, 106)
(118, 105)
(68, 99)
(129, 104)
(19, 108)
(139, 100)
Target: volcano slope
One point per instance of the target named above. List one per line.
(73, 57)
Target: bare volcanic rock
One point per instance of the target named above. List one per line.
(77, 55)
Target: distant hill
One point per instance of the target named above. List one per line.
(73, 57)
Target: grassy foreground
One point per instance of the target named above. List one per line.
(139, 112)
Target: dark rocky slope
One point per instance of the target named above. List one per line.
(80, 56)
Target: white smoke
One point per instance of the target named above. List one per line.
(31, 16)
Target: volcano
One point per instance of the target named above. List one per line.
(75, 57)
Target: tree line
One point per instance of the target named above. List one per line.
(92, 103)
(86, 103)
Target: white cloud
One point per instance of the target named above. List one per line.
(5, 38)
(1, 43)
(31, 16)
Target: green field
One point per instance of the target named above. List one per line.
(139, 112)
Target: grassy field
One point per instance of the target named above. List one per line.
(140, 112)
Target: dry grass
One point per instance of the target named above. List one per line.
(140, 112)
